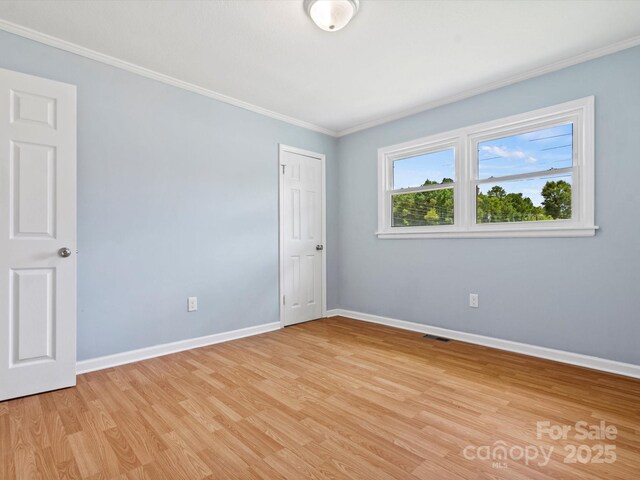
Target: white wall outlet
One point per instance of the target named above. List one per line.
(192, 304)
(473, 300)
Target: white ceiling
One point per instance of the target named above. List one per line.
(394, 56)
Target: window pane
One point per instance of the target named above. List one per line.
(531, 199)
(534, 151)
(426, 169)
(434, 207)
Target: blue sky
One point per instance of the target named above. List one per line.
(413, 171)
(525, 153)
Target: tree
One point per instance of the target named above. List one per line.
(557, 199)
(497, 192)
(435, 207)
(432, 217)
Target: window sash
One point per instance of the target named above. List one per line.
(522, 176)
(575, 119)
(424, 188)
(417, 152)
(505, 132)
(532, 223)
(446, 186)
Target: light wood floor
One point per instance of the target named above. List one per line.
(334, 398)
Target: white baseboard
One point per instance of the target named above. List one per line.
(596, 363)
(108, 361)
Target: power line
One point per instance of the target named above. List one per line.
(552, 136)
(553, 148)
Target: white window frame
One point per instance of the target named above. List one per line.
(465, 143)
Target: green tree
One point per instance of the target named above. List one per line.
(499, 206)
(496, 192)
(432, 217)
(557, 199)
(435, 207)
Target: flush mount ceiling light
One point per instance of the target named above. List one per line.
(331, 15)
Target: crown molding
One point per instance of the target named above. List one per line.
(487, 87)
(152, 74)
(145, 72)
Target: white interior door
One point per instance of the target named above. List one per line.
(301, 230)
(37, 220)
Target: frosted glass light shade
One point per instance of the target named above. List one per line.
(331, 15)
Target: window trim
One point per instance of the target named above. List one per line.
(464, 141)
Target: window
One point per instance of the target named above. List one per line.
(423, 189)
(527, 175)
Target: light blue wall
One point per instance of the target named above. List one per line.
(576, 294)
(177, 197)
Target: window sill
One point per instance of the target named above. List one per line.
(494, 233)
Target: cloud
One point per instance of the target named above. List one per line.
(504, 152)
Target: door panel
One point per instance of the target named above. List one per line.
(31, 108)
(294, 288)
(310, 297)
(37, 218)
(33, 311)
(32, 178)
(302, 231)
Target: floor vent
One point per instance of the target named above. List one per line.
(439, 339)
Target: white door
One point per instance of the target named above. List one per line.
(37, 220)
(301, 231)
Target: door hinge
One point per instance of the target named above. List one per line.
(283, 167)
(283, 300)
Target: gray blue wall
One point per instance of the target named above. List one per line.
(576, 294)
(177, 197)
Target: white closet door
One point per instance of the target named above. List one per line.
(37, 235)
(302, 237)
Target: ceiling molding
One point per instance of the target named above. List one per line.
(160, 77)
(536, 72)
(145, 72)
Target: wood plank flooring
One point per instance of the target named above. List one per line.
(334, 398)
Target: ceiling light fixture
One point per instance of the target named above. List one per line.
(331, 15)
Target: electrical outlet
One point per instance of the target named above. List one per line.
(192, 304)
(473, 300)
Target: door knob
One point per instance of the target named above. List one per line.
(64, 252)
(319, 247)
